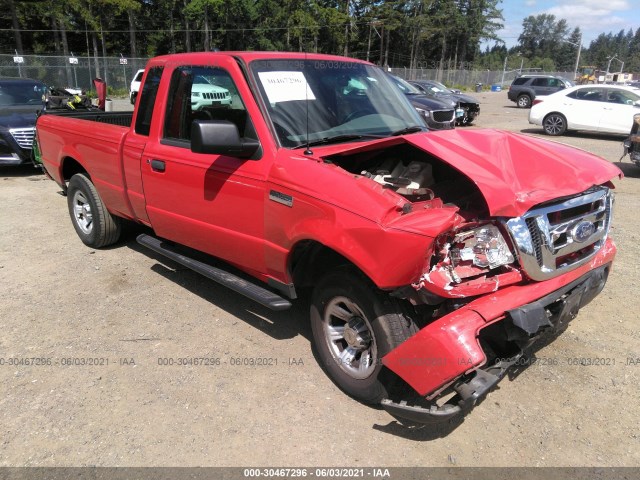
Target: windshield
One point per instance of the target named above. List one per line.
(22, 93)
(314, 100)
(405, 86)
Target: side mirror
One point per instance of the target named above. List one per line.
(221, 137)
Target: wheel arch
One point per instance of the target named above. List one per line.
(309, 260)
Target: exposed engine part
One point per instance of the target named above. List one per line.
(417, 176)
(408, 180)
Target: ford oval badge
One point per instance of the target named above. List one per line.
(583, 231)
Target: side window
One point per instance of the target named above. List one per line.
(520, 81)
(202, 93)
(148, 100)
(556, 82)
(622, 96)
(540, 82)
(589, 94)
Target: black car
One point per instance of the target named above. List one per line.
(20, 99)
(437, 114)
(525, 89)
(467, 107)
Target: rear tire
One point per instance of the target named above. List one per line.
(524, 101)
(554, 124)
(354, 326)
(93, 223)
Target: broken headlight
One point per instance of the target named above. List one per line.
(484, 246)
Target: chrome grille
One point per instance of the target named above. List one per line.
(23, 136)
(557, 238)
(214, 95)
(443, 115)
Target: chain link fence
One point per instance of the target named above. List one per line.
(469, 78)
(79, 72)
(74, 72)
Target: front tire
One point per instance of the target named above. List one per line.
(554, 124)
(354, 325)
(93, 223)
(524, 101)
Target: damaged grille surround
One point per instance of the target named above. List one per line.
(554, 239)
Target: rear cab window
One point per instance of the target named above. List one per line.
(148, 101)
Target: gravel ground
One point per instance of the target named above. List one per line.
(131, 311)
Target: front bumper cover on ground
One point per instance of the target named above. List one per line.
(455, 353)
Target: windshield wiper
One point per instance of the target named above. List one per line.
(337, 139)
(407, 130)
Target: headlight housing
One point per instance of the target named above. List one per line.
(423, 112)
(484, 246)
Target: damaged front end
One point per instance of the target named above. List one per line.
(499, 289)
(513, 249)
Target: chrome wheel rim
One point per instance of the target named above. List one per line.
(523, 102)
(554, 125)
(82, 212)
(349, 337)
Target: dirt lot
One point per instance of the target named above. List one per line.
(132, 311)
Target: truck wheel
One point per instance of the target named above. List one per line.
(524, 101)
(354, 326)
(95, 226)
(554, 124)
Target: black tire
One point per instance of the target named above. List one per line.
(93, 223)
(554, 124)
(524, 101)
(377, 325)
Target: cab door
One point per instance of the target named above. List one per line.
(213, 203)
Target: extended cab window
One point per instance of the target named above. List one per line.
(148, 100)
(202, 93)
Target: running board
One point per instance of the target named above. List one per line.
(250, 290)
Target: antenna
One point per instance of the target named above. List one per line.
(308, 150)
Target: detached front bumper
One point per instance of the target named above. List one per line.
(466, 353)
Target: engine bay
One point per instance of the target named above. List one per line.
(417, 176)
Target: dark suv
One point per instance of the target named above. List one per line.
(527, 87)
(20, 100)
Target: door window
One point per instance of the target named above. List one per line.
(202, 93)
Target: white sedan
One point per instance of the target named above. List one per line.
(596, 108)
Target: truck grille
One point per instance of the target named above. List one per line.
(557, 238)
(214, 95)
(23, 136)
(443, 116)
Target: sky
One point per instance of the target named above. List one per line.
(592, 16)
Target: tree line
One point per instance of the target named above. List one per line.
(437, 33)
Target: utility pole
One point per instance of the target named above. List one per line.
(575, 70)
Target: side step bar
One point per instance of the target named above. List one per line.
(250, 290)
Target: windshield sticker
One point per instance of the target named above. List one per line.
(286, 86)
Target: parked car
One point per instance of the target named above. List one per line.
(469, 105)
(432, 261)
(20, 100)
(632, 143)
(437, 114)
(205, 93)
(595, 108)
(523, 90)
(135, 85)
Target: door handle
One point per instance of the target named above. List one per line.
(158, 165)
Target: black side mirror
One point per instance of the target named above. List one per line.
(221, 137)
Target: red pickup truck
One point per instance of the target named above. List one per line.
(435, 260)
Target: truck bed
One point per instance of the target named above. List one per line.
(122, 119)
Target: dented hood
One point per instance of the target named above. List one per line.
(513, 171)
